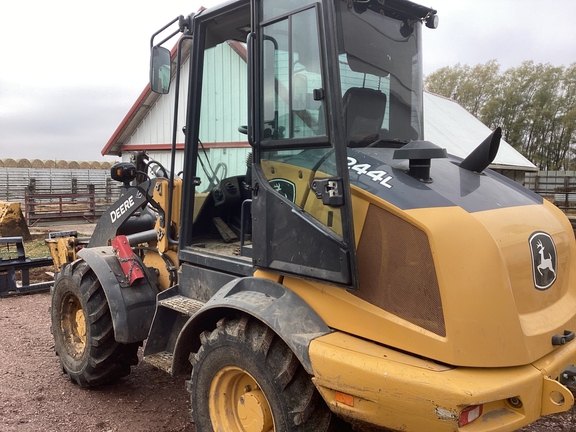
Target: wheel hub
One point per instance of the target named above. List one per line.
(254, 412)
(73, 324)
(237, 404)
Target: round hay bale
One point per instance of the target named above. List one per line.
(95, 165)
(49, 163)
(84, 165)
(23, 163)
(10, 163)
(37, 163)
(73, 165)
(106, 165)
(62, 164)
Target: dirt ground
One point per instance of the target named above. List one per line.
(36, 396)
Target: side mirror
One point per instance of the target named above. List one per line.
(160, 70)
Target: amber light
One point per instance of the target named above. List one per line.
(345, 399)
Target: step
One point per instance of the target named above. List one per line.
(161, 360)
(182, 304)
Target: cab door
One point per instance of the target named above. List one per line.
(301, 208)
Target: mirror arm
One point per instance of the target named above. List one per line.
(164, 28)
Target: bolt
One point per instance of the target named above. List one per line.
(247, 389)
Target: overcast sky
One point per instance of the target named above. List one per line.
(71, 70)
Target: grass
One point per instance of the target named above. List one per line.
(36, 248)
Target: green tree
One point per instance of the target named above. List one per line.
(472, 87)
(535, 104)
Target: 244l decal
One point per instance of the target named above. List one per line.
(378, 176)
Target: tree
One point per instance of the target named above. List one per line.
(535, 104)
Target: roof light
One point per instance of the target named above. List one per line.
(432, 21)
(469, 414)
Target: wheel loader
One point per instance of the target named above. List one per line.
(351, 274)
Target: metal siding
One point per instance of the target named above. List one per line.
(163, 157)
(224, 109)
(15, 182)
(224, 96)
(156, 127)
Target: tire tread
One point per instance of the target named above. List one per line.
(104, 359)
(304, 409)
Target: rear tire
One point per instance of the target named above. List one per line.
(83, 331)
(245, 378)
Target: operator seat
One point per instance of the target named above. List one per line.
(364, 110)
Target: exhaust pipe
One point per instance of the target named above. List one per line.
(484, 154)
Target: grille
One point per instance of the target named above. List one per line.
(397, 272)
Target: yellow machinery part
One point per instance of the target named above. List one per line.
(62, 250)
(238, 404)
(393, 389)
(153, 259)
(160, 195)
(12, 222)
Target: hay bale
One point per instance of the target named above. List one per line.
(62, 164)
(84, 165)
(95, 165)
(37, 163)
(73, 165)
(49, 163)
(23, 163)
(10, 163)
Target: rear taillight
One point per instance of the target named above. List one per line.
(469, 414)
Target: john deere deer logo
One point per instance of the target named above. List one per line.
(544, 260)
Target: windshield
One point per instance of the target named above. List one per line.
(380, 74)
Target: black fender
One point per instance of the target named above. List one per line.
(131, 306)
(291, 318)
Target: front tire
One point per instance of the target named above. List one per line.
(246, 379)
(83, 331)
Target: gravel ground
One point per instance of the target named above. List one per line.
(36, 396)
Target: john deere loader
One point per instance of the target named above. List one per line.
(350, 274)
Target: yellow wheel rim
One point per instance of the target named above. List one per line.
(238, 404)
(73, 324)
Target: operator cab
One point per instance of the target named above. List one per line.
(302, 114)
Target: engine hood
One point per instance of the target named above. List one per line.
(450, 185)
(497, 283)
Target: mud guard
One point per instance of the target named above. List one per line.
(131, 306)
(282, 310)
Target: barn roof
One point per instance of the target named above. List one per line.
(447, 124)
